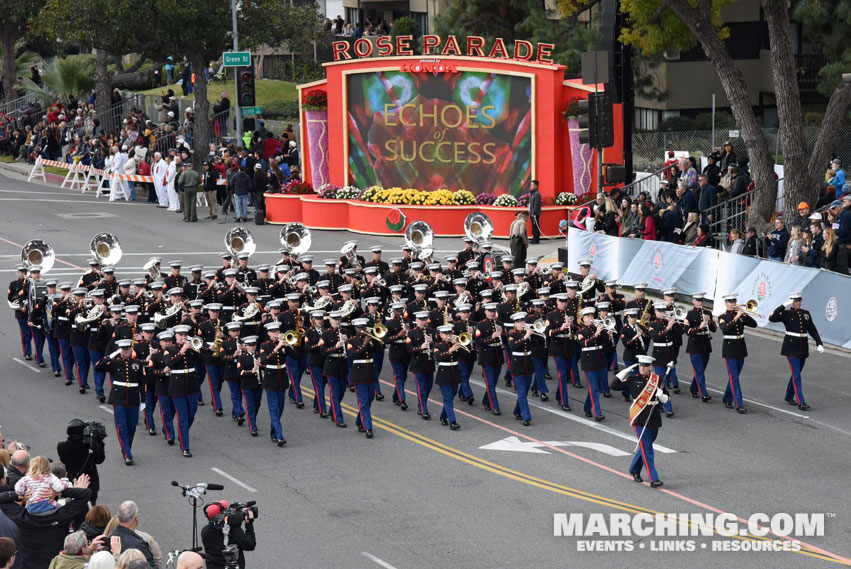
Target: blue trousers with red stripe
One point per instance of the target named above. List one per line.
(125, 425)
(795, 389)
(55, 354)
(100, 376)
(400, 374)
(378, 362)
(185, 406)
(541, 370)
(644, 455)
(698, 383)
(216, 373)
(491, 374)
(425, 381)
(275, 400)
(366, 394)
(67, 357)
(236, 399)
(522, 406)
(38, 343)
(150, 407)
(592, 400)
(448, 392)
(733, 393)
(167, 416)
(574, 366)
(337, 386)
(563, 366)
(295, 369)
(319, 382)
(26, 337)
(507, 364)
(253, 399)
(81, 360)
(466, 369)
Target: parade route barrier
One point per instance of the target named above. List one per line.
(717, 273)
(40, 163)
(76, 177)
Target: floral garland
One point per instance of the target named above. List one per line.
(566, 198)
(315, 100)
(410, 196)
(297, 187)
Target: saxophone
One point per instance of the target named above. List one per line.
(645, 314)
(217, 342)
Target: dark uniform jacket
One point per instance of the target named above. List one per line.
(592, 356)
(128, 381)
(336, 364)
(448, 372)
(184, 380)
(734, 345)
(490, 348)
(360, 350)
(421, 358)
(634, 384)
(248, 378)
(635, 341)
(798, 325)
(664, 349)
(275, 376)
(699, 340)
(521, 353)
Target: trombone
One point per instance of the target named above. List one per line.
(750, 306)
(377, 332)
(463, 339)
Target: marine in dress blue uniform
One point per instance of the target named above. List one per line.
(799, 325)
(662, 332)
(336, 367)
(156, 368)
(125, 395)
(400, 359)
(522, 366)
(211, 330)
(465, 358)
(734, 350)
(539, 350)
(230, 373)
(635, 339)
(183, 385)
(315, 362)
(699, 325)
(422, 364)
(593, 361)
(361, 349)
(249, 366)
(489, 345)
(448, 375)
(17, 293)
(561, 331)
(273, 360)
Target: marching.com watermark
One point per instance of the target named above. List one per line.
(778, 532)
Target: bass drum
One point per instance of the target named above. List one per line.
(488, 264)
(38, 291)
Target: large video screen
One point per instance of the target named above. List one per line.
(466, 130)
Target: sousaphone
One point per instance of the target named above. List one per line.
(106, 249)
(419, 236)
(295, 237)
(240, 240)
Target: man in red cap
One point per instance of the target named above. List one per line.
(213, 539)
(803, 219)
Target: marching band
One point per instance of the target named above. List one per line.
(260, 331)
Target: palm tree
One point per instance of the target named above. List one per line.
(66, 78)
(24, 62)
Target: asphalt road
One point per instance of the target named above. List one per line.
(418, 495)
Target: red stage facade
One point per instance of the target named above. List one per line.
(443, 120)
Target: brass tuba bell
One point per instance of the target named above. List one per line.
(295, 237)
(38, 252)
(240, 240)
(419, 236)
(105, 248)
(478, 227)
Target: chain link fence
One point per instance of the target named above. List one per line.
(648, 148)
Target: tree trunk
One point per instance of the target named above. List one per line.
(735, 88)
(11, 33)
(201, 135)
(795, 171)
(837, 106)
(103, 89)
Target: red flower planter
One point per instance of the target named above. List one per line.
(318, 213)
(283, 208)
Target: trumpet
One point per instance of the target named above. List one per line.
(750, 306)
(196, 343)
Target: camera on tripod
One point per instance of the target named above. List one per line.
(235, 514)
(93, 431)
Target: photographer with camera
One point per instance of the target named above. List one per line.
(226, 522)
(83, 451)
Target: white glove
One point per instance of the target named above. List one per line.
(142, 407)
(820, 349)
(671, 365)
(662, 398)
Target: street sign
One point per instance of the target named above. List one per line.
(733, 134)
(249, 111)
(236, 58)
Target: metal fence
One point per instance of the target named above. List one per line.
(649, 148)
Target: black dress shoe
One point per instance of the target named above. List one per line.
(566, 408)
(379, 397)
(404, 406)
(544, 397)
(600, 418)
(369, 434)
(152, 432)
(426, 416)
(695, 395)
(272, 436)
(170, 442)
(352, 388)
(527, 423)
(341, 425)
(547, 376)
(790, 401)
(471, 400)
(627, 397)
(656, 484)
(535, 393)
(69, 381)
(486, 406)
(669, 414)
(315, 410)
(578, 385)
(101, 398)
(444, 421)
(240, 421)
(323, 415)
(200, 404)
(291, 400)
(361, 429)
(454, 426)
(282, 441)
(676, 390)
(637, 477)
(518, 416)
(28, 358)
(42, 364)
(497, 412)
(607, 395)
(299, 405)
(57, 373)
(187, 453)
(728, 405)
(128, 461)
(804, 407)
(219, 413)
(741, 410)
(254, 433)
(83, 390)
(588, 414)
(707, 398)
(508, 383)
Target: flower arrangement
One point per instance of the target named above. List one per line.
(485, 198)
(328, 192)
(523, 201)
(566, 198)
(369, 194)
(315, 100)
(297, 187)
(438, 197)
(349, 193)
(463, 197)
(571, 108)
(505, 200)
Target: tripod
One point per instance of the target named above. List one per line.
(194, 493)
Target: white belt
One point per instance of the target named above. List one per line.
(123, 384)
(662, 345)
(228, 308)
(367, 361)
(399, 342)
(560, 336)
(701, 333)
(181, 371)
(521, 354)
(270, 366)
(592, 348)
(252, 323)
(62, 318)
(733, 337)
(797, 335)
(447, 364)
(336, 355)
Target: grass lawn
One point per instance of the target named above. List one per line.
(48, 169)
(268, 91)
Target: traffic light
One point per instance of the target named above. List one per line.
(596, 121)
(245, 96)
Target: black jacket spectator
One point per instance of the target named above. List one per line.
(740, 183)
(79, 458)
(241, 184)
(751, 246)
(131, 540)
(213, 541)
(42, 537)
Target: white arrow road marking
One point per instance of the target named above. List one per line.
(514, 444)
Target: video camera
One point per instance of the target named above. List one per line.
(93, 431)
(236, 513)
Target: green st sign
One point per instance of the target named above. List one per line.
(236, 58)
(249, 111)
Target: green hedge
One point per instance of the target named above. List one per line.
(282, 110)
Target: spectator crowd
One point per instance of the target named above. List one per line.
(691, 199)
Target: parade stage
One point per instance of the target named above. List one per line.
(458, 117)
(371, 218)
